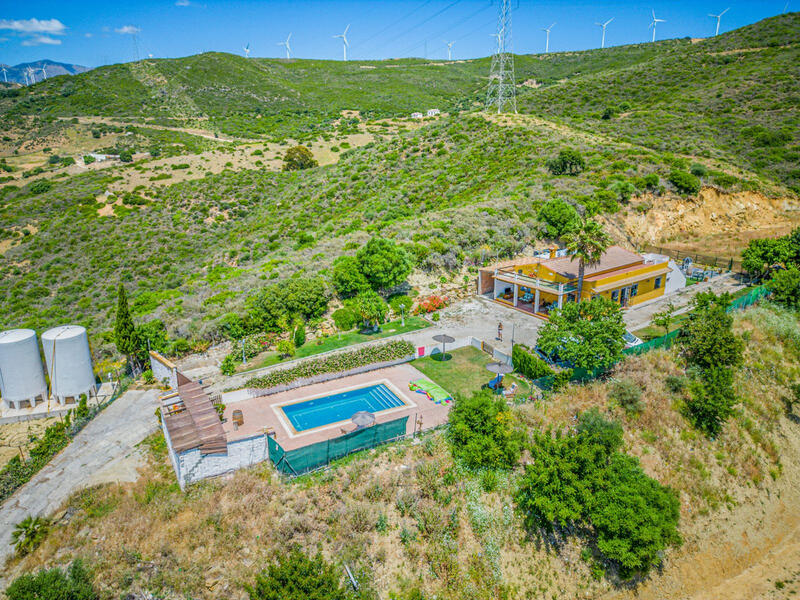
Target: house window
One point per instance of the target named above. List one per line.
(657, 285)
(615, 295)
(634, 289)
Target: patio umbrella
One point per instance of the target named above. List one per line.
(499, 368)
(444, 339)
(363, 419)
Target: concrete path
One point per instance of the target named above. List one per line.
(103, 451)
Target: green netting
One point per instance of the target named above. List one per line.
(308, 458)
(665, 341)
(750, 298)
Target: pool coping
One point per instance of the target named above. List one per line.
(277, 408)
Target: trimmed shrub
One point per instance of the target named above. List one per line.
(528, 364)
(335, 363)
(54, 584)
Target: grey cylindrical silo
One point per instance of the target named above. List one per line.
(69, 362)
(21, 373)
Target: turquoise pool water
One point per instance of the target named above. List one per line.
(318, 412)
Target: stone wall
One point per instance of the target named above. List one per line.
(192, 466)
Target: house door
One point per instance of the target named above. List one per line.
(623, 296)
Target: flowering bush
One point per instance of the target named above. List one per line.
(430, 304)
(334, 363)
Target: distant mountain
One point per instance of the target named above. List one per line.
(16, 74)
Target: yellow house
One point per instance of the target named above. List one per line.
(538, 285)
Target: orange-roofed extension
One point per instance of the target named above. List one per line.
(539, 285)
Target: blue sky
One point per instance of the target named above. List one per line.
(92, 33)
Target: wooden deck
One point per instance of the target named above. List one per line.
(195, 422)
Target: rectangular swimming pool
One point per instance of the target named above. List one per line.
(318, 412)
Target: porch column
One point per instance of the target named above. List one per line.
(560, 295)
(536, 300)
(516, 293)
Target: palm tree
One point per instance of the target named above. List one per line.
(29, 533)
(587, 241)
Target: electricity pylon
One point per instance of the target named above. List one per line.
(502, 94)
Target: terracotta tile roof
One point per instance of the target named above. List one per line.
(615, 257)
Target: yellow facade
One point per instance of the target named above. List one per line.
(621, 276)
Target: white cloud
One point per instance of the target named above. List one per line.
(41, 39)
(182, 3)
(31, 26)
(88, 35)
(128, 30)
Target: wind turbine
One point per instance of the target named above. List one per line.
(653, 24)
(343, 35)
(286, 43)
(31, 75)
(247, 50)
(25, 75)
(718, 17)
(5, 79)
(449, 50)
(44, 71)
(604, 25)
(547, 43)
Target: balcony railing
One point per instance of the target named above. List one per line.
(534, 282)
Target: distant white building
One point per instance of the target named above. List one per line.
(98, 157)
(416, 115)
(433, 112)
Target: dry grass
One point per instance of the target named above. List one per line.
(444, 532)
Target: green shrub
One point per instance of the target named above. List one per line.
(684, 182)
(558, 217)
(40, 187)
(529, 364)
(299, 335)
(28, 534)
(482, 432)
(784, 287)
(347, 278)
(345, 318)
(295, 576)
(228, 365)
(54, 584)
(712, 398)
(698, 170)
(583, 481)
(298, 158)
(568, 162)
(627, 394)
(334, 363)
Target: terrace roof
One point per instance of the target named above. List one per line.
(198, 424)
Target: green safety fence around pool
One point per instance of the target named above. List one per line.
(308, 458)
(665, 341)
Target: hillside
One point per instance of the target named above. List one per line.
(276, 97)
(16, 73)
(412, 523)
(733, 98)
(198, 222)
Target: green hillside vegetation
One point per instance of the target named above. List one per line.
(279, 98)
(461, 190)
(447, 191)
(733, 98)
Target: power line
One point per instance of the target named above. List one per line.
(444, 31)
(421, 23)
(502, 93)
(393, 24)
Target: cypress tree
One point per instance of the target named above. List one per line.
(124, 330)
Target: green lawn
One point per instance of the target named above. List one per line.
(653, 331)
(464, 373)
(340, 341)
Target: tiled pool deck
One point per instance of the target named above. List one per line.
(264, 412)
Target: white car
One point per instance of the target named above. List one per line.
(630, 340)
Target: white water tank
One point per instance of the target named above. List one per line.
(69, 362)
(21, 373)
